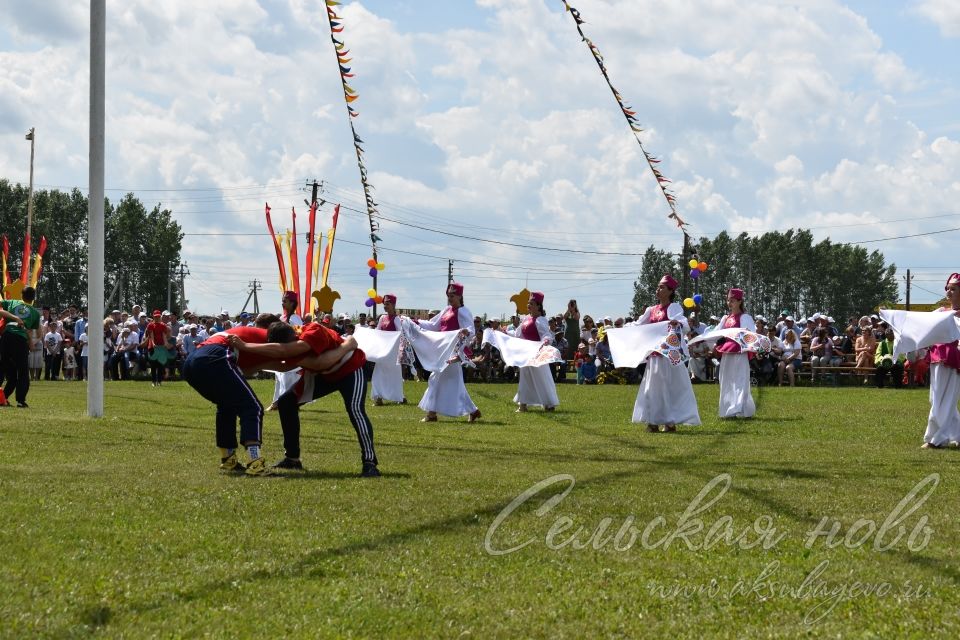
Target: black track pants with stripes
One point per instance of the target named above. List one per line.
(353, 390)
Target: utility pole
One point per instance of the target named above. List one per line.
(449, 271)
(684, 267)
(254, 287)
(169, 285)
(31, 136)
(908, 279)
(183, 292)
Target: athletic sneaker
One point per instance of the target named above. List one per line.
(289, 463)
(370, 471)
(232, 465)
(258, 467)
(23, 405)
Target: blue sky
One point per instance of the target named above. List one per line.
(489, 119)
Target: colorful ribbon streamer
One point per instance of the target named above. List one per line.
(350, 95)
(631, 117)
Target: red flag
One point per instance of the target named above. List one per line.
(276, 247)
(25, 266)
(295, 259)
(311, 239)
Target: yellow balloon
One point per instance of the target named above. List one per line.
(693, 264)
(688, 302)
(371, 293)
(381, 266)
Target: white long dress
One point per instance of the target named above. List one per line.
(536, 386)
(446, 394)
(387, 380)
(736, 401)
(943, 422)
(666, 393)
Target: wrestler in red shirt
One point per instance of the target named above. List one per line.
(346, 377)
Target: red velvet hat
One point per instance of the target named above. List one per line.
(736, 294)
(538, 296)
(953, 279)
(391, 298)
(668, 280)
(455, 287)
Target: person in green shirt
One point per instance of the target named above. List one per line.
(22, 323)
(886, 363)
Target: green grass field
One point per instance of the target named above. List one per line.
(124, 527)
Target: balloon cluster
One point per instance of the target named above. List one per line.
(696, 268)
(375, 266)
(372, 297)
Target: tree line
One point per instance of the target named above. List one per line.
(777, 271)
(141, 249)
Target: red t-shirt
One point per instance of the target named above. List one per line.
(321, 339)
(158, 331)
(245, 359)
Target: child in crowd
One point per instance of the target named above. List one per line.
(35, 359)
(579, 358)
(69, 360)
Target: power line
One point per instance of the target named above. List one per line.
(913, 235)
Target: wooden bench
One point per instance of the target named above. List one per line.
(847, 369)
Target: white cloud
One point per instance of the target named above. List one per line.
(766, 115)
(945, 13)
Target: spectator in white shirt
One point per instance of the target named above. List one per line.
(52, 344)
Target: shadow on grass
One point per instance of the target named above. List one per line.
(338, 475)
(310, 564)
(506, 453)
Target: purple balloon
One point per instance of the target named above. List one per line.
(370, 302)
(694, 273)
(373, 272)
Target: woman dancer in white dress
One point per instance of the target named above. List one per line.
(446, 392)
(387, 380)
(943, 423)
(735, 398)
(666, 395)
(536, 383)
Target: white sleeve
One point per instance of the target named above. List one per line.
(465, 318)
(720, 322)
(543, 328)
(746, 322)
(644, 319)
(512, 330)
(675, 312)
(433, 324)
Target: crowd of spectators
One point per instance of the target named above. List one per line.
(816, 348)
